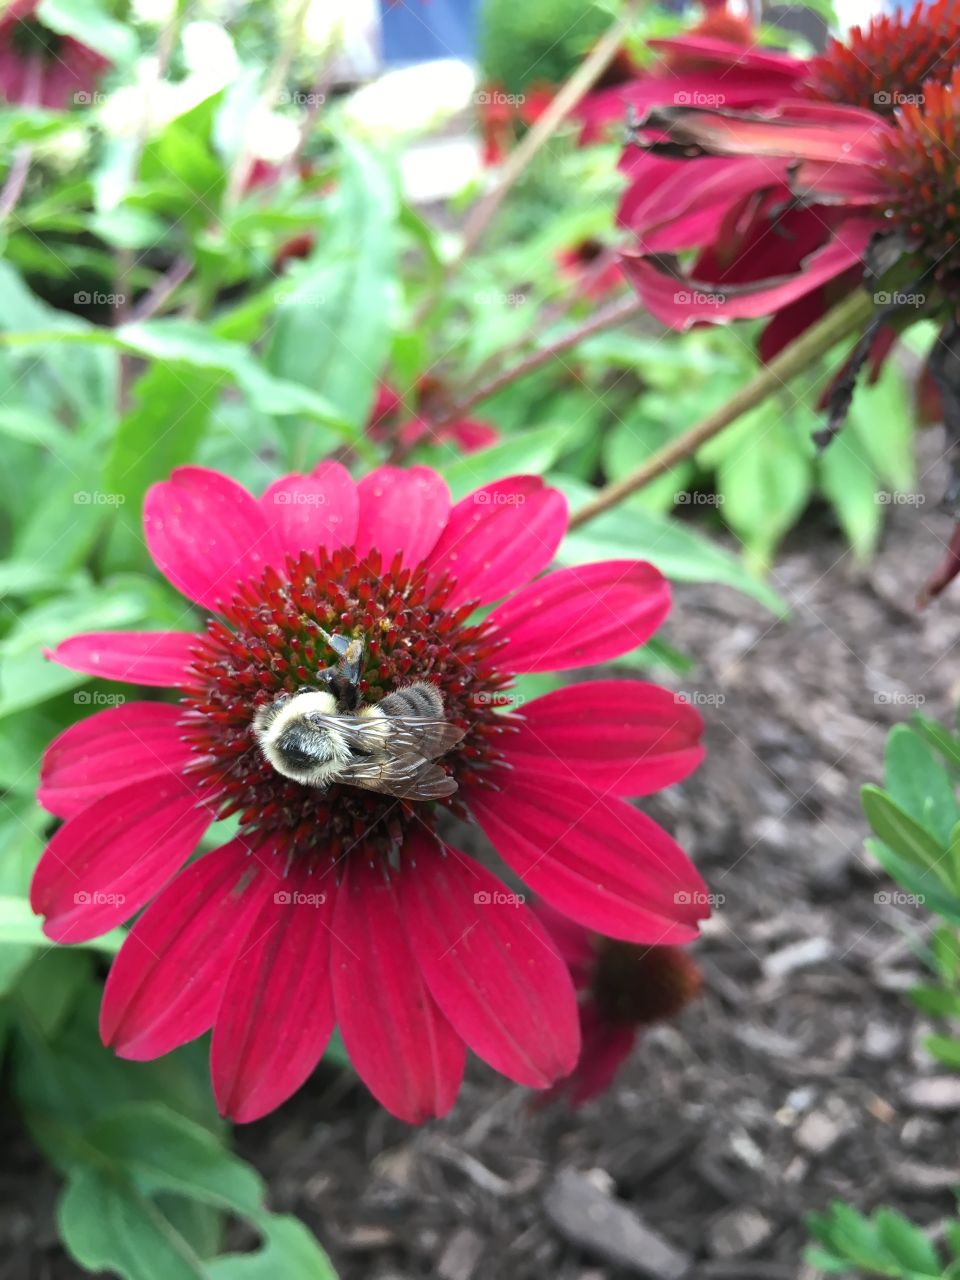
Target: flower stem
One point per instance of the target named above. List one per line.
(607, 318)
(546, 125)
(844, 320)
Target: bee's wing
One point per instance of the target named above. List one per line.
(397, 736)
(424, 737)
(411, 779)
(401, 750)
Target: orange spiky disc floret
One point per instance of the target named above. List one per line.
(885, 66)
(921, 168)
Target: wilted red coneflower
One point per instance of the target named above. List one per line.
(787, 192)
(345, 906)
(622, 988)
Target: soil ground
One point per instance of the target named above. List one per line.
(791, 1081)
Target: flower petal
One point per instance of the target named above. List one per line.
(107, 751)
(166, 983)
(159, 658)
(606, 1047)
(596, 859)
(401, 509)
(678, 301)
(490, 965)
(104, 864)
(307, 512)
(498, 538)
(206, 533)
(276, 1015)
(625, 737)
(582, 615)
(399, 1042)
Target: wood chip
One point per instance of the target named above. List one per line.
(609, 1229)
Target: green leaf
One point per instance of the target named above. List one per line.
(529, 453)
(195, 345)
(20, 926)
(849, 481)
(944, 1048)
(919, 782)
(907, 1243)
(677, 551)
(940, 739)
(108, 1225)
(332, 332)
(765, 484)
(162, 430)
(91, 24)
(928, 886)
(945, 948)
(901, 833)
(936, 1000)
(161, 1151)
(881, 419)
(289, 1250)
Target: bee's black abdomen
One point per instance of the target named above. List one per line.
(421, 700)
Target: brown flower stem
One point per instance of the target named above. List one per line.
(607, 318)
(542, 129)
(843, 321)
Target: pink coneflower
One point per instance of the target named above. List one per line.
(622, 989)
(392, 422)
(39, 67)
(343, 905)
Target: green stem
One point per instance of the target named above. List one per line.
(847, 318)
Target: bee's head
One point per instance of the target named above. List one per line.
(292, 741)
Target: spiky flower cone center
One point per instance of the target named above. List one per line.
(270, 641)
(887, 65)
